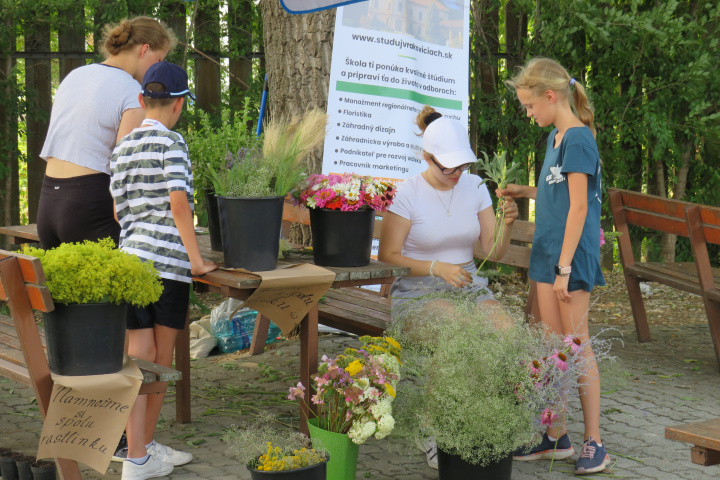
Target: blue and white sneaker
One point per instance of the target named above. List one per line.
(593, 458)
(546, 449)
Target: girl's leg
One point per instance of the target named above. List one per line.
(572, 318)
(164, 348)
(141, 344)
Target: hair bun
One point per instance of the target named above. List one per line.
(431, 118)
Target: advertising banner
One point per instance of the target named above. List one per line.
(391, 57)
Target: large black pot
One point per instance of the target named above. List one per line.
(453, 467)
(341, 239)
(86, 338)
(313, 472)
(251, 231)
(213, 221)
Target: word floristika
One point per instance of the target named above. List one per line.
(497, 171)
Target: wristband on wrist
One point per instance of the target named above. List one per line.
(432, 265)
(562, 271)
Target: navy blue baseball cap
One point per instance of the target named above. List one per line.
(173, 77)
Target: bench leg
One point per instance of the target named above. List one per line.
(260, 333)
(712, 309)
(308, 363)
(704, 456)
(182, 363)
(638, 308)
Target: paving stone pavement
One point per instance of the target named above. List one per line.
(670, 381)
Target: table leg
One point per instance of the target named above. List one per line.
(182, 363)
(308, 363)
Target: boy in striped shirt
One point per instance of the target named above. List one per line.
(152, 186)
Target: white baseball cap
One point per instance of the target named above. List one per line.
(447, 140)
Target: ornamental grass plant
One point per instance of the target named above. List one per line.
(483, 387)
(97, 272)
(278, 165)
(264, 444)
(355, 391)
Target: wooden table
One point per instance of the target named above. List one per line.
(239, 285)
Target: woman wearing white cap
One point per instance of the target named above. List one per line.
(438, 215)
(436, 218)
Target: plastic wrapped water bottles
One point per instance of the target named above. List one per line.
(236, 334)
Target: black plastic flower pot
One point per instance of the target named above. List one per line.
(453, 467)
(23, 467)
(8, 467)
(251, 231)
(341, 239)
(86, 339)
(313, 472)
(44, 470)
(213, 221)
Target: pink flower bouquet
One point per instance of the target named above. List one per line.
(354, 391)
(347, 192)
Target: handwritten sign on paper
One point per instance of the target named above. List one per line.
(88, 414)
(286, 295)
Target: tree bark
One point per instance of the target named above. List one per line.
(9, 180)
(207, 72)
(240, 26)
(71, 36)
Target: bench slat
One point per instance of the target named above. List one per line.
(354, 310)
(703, 434)
(351, 321)
(667, 276)
(14, 372)
(653, 204)
(710, 219)
(661, 223)
(30, 267)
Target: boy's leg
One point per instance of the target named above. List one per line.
(164, 348)
(141, 344)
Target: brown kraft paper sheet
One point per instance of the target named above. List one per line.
(87, 415)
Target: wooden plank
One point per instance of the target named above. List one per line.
(158, 373)
(653, 203)
(11, 354)
(661, 223)
(355, 313)
(30, 267)
(703, 434)
(15, 373)
(655, 273)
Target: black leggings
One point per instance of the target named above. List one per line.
(76, 209)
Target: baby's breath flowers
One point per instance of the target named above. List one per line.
(355, 391)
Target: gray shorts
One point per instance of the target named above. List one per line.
(405, 289)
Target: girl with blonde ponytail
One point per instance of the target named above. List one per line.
(565, 258)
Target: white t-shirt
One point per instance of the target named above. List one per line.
(86, 114)
(433, 233)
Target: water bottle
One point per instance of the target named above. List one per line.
(221, 326)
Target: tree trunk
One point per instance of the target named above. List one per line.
(298, 51)
(669, 240)
(240, 19)
(39, 102)
(483, 100)
(9, 184)
(71, 36)
(207, 72)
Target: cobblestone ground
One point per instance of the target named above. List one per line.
(670, 381)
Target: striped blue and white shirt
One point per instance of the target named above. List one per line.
(148, 164)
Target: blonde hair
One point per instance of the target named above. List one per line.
(542, 74)
(426, 116)
(125, 35)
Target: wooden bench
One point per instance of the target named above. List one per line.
(22, 346)
(365, 312)
(699, 223)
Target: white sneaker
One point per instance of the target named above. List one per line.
(169, 455)
(429, 446)
(150, 469)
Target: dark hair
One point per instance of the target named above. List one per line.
(125, 35)
(157, 102)
(426, 116)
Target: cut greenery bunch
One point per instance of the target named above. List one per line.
(498, 172)
(97, 272)
(217, 148)
(278, 166)
(261, 444)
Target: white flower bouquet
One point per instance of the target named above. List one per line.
(355, 391)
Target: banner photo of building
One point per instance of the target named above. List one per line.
(391, 57)
(307, 6)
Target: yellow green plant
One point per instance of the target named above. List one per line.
(276, 459)
(96, 272)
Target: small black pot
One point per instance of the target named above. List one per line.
(251, 231)
(8, 468)
(453, 467)
(86, 338)
(23, 467)
(341, 239)
(44, 470)
(213, 221)
(313, 472)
